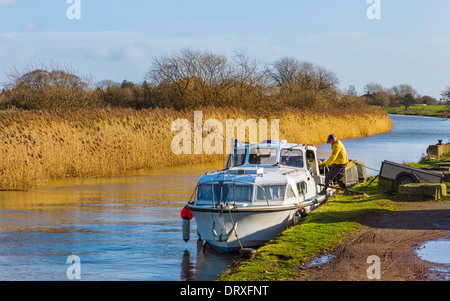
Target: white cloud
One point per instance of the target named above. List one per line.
(97, 45)
(31, 26)
(127, 46)
(116, 54)
(359, 58)
(356, 57)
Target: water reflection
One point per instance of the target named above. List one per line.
(435, 251)
(438, 254)
(122, 228)
(187, 267)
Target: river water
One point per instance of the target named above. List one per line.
(407, 142)
(129, 227)
(121, 228)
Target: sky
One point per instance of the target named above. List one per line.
(407, 43)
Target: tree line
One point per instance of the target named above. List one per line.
(190, 79)
(400, 95)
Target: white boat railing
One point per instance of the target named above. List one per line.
(233, 182)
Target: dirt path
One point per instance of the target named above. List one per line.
(393, 237)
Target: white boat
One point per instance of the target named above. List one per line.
(263, 189)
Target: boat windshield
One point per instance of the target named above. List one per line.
(263, 156)
(292, 157)
(237, 158)
(241, 193)
(225, 192)
(205, 192)
(272, 192)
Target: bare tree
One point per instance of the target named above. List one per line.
(284, 73)
(196, 77)
(446, 95)
(404, 95)
(372, 88)
(176, 71)
(248, 78)
(214, 77)
(401, 91)
(324, 80)
(303, 84)
(408, 100)
(377, 95)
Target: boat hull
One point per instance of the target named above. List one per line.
(229, 230)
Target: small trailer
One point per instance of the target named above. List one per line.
(401, 174)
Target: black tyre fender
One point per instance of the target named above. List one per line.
(405, 178)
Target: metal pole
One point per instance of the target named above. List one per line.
(234, 193)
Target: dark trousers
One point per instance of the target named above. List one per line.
(337, 173)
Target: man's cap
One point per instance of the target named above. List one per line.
(331, 138)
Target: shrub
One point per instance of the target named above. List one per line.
(50, 89)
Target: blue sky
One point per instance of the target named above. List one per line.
(117, 40)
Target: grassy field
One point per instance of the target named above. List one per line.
(321, 231)
(434, 111)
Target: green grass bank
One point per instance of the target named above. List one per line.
(442, 111)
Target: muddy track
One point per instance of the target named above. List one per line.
(393, 237)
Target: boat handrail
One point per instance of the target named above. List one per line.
(234, 190)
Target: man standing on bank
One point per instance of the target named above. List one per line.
(337, 163)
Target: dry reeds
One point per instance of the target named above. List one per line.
(36, 147)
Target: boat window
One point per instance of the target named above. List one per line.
(302, 188)
(292, 157)
(274, 192)
(237, 158)
(263, 156)
(204, 192)
(290, 192)
(242, 193)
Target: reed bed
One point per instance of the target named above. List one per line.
(36, 147)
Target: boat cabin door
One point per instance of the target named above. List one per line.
(311, 162)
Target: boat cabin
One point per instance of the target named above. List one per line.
(269, 173)
(274, 153)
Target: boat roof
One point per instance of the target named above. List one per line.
(254, 175)
(261, 174)
(278, 144)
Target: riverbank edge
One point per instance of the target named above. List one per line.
(335, 222)
(423, 115)
(40, 146)
(424, 111)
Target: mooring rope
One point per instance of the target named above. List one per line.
(365, 166)
(235, 232)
